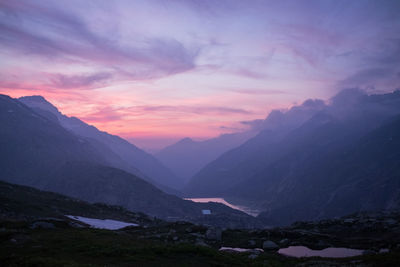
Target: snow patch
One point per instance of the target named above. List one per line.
(102, 224)
(252, 250)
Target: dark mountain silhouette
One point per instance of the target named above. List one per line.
(362, 176)
(343, 159)
(187, 157)
(119, 152)
(39, 152)
(246, 160)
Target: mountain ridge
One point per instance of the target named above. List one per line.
(38, 152)
(269, 172)
(132, 159)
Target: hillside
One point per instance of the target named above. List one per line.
(313, 169)
(35, 232)
(187, 157)
(38, 152)
(119, 152)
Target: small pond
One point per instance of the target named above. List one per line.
(301, 251)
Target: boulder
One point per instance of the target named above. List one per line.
(284, 242)
(214, 234)
(270, 245)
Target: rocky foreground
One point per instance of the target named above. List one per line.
(67, 242)
(35, 231)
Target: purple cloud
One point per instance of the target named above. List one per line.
(194, 109)
(54, 33)
(79, 81)
(115, 114)
(382, 71)
(259, 91)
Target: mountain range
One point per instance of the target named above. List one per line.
(186, 157)
(314, 161)
(248, 158)
(317, 160)
(37, 151)
(119, 152)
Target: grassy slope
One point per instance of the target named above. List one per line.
(141, 246)
(27, 203)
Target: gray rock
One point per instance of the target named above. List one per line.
(253, 256)
(200, 242)
(257, 251)
(270, 245)
(369, 252)
(76, 225)
(284, 242)
(214, 234)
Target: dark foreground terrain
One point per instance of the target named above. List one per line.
(35, 232)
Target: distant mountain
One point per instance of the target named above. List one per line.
(343, 159)
(187, 157)
(363, 176)
(32, 145)
(39, 152)
(247, 159)
(119, 152)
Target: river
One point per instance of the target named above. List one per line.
(245, 209)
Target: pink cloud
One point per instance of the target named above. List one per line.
(79, 81)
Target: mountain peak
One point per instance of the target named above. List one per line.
(186, 140)
(34, 98)
(38, 101)
(348, 97)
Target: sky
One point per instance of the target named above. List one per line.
(155, 71)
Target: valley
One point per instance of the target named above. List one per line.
(199, 133)
(245, 209)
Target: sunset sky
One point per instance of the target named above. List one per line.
(154, 71)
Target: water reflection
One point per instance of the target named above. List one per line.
(301, 251)
(247, 210)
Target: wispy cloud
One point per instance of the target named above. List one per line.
(259, 91)
(53, 81)
(381, 68)
(189, 66)
(113, 114)
(79, 81)
(195, 109)
(104, 114)
(255, 125)
(34, 29)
